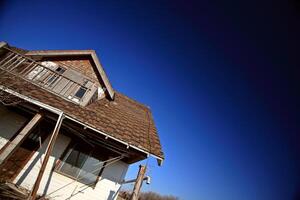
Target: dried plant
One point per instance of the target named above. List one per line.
(147, 196)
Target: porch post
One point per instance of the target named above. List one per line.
(15, 143)
(138, 183)
(51, 143)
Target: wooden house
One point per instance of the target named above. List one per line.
(65, 133)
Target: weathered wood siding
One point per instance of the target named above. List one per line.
(106, 188)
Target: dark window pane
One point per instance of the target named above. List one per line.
(81, 164)
(79, 94)
(90, 171)
(73, 162)
(60, 70)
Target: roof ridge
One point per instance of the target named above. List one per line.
(19, 50)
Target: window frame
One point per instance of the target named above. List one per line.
(64, 156)
(80, 89)
(84, 88)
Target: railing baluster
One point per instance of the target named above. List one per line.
(6, 58)
(47, 81)
(56, 81)
(44, 66)
(43, 75)
(36, 75)
(26, 68)
(30, 70)
(13, 63)
(5, 63)
(46, 77)
(20, 62)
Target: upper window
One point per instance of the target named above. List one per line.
(80, 92)
(82, 164)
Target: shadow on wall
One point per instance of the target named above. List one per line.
(10, 123)
(35, 161)
(113, 194)
(30, 167)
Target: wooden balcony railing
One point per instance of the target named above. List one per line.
(52, 80)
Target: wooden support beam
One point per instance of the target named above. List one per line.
(138, 183)
(51, 143)
(15, 143)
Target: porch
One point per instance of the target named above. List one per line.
(82, 165)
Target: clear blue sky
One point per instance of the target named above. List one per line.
(221, 78)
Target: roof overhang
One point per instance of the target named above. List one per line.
(58, 111)
(89, 53)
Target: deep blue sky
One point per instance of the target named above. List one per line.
(222, 80)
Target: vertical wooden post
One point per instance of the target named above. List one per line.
(51, 143)
(15, 143)
(138, 183)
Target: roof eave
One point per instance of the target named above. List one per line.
(58, 111)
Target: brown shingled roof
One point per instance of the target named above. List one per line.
(122, 118)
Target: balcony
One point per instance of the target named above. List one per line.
(66, 83)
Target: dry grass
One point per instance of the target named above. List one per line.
(125, 195)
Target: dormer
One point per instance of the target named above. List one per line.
(80, 66)
(76, 76)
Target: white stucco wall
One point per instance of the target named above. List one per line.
(106, 188)
(10, 123)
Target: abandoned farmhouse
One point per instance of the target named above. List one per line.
(65, 133)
